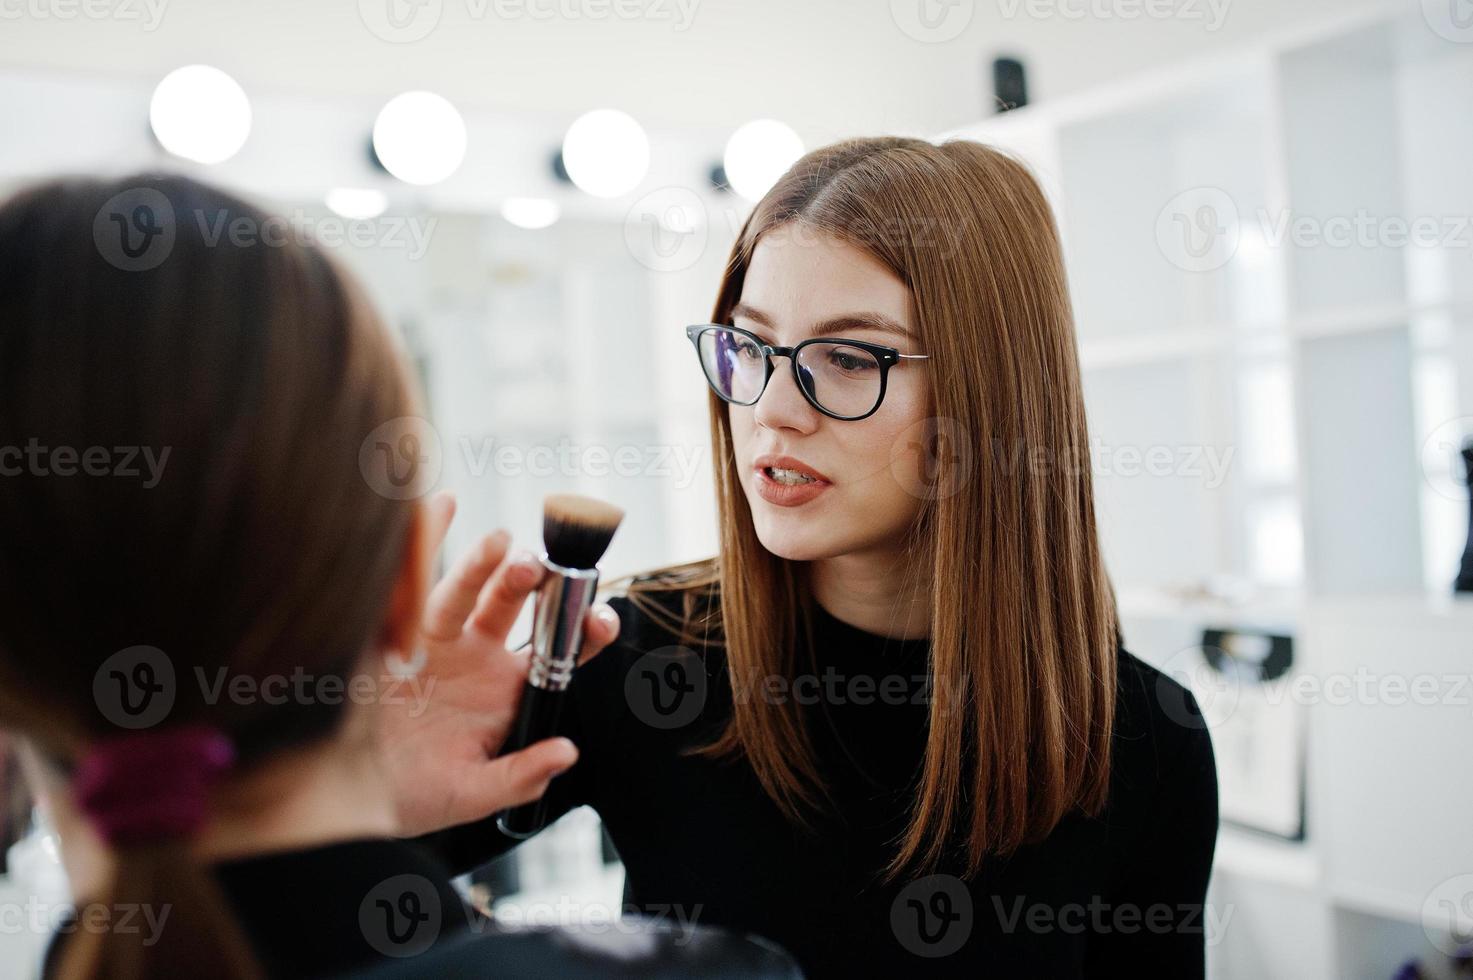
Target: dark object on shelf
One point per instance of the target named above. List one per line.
(1248, 656)
(1009, 86)
(1465, 573)
(1411, 970)
(1261, 749)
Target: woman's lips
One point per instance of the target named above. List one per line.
(787, 494)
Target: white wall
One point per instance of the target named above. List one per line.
(829, 67)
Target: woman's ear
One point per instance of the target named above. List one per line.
(427, 526)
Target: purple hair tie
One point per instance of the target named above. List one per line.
(151, 785)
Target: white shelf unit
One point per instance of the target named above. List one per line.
(1203, 212)
(1227, 300)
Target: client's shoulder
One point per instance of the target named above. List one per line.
(633, 949)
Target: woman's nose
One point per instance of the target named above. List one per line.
(782, 405)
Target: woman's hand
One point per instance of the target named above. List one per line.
(441, 746)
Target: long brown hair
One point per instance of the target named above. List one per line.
(1023, 621)
(260, 548)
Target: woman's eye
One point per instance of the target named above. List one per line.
(850, 362)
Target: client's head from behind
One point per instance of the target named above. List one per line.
(193, 567)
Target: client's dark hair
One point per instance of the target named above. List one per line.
(137, 320)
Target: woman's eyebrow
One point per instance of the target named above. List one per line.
(845, 321)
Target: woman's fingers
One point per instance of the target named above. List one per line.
(600, 628)
(501, 600)
(454, 598)
(520, 777)
(439, 512)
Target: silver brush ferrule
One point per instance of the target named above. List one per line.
(563, 599)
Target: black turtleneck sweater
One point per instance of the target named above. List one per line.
(1122, 893)
(385, 910)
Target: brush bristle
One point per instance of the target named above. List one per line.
(577, 530)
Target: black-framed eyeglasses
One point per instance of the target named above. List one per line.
(843, 379)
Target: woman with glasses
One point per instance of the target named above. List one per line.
(891, 725)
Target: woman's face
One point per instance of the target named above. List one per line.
(801, 284)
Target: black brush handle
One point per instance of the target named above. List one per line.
(557, 636)
(537, 719)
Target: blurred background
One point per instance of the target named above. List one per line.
(1266, 213)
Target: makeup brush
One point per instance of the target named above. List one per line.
(576, 532)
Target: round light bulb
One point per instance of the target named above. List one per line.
(419, 137)
(758, 154)
(200, 113)
(606, 153)
(357, 203)
(530, 212)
